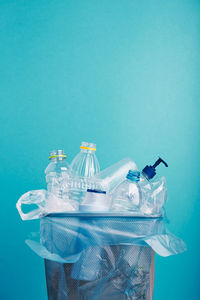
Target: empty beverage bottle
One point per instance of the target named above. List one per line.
(128, 195)
(84, 166)
(57, 178)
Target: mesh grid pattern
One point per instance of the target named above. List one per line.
(109, 272)
(111, 260)
(100, 257)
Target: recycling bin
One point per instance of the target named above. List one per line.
(102, 256)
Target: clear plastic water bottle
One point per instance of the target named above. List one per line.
(57, 178)
(128, 195)
(84, 166)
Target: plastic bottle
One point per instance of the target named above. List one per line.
(128, 195)
(154, 191)
(84, 166)
(153, 198)
(139, 193)
(111, 177)
(57, 178)
(150, 171)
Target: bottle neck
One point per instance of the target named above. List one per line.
(144, 177)
(88, 148)
(132, 181)
(57, 159)
(87, 151)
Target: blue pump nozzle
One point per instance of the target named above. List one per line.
(150, 171)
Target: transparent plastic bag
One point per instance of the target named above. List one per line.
(127, 272)
(36, 198)
(102, 256)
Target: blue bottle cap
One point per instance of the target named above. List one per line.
(133, 175)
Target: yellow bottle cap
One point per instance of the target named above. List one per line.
(87, 148)
(57, 153)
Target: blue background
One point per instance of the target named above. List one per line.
(123, 74)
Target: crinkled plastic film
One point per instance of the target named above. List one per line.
(90, 256)
(124, 273)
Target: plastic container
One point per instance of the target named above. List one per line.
(57, 177)
(111, 177)
(84, 166)
(154, 190)
(128, 195)
(95, 200)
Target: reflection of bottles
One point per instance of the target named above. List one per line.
(128, 195)
(57, 178)
(84, 166)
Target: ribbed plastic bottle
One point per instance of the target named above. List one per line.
(128, 195)
(57, 178)
(84, 166)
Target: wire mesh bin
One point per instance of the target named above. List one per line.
(126, 273)
(98, 256)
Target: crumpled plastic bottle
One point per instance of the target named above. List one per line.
(154, 191)
(140, 193)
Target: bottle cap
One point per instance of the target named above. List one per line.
(133, 175)
(150, 171)
(88, 146)
(57, 153)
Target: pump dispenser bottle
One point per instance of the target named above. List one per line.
(150, 171)
(154, 191)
